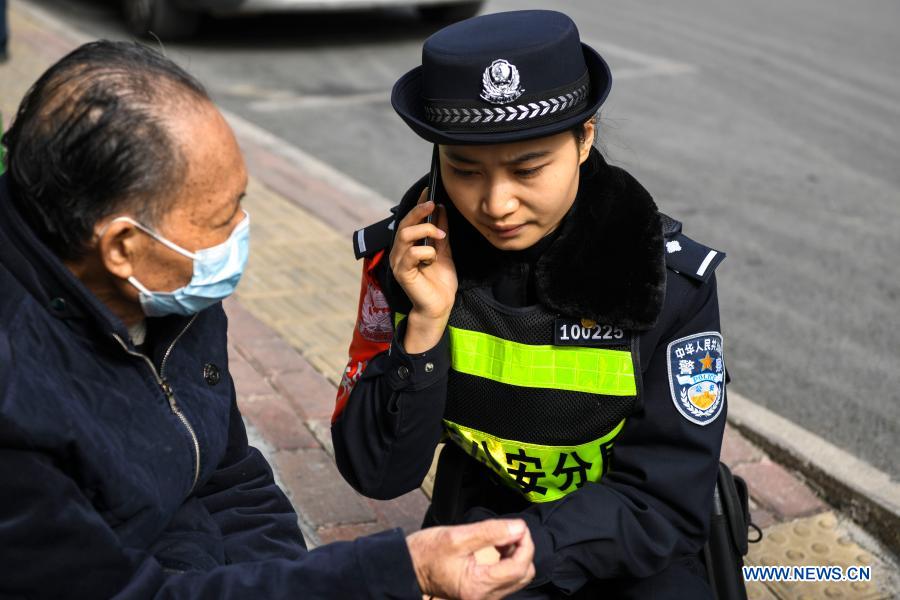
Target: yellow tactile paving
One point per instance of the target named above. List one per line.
(820, 540)
(758, 591)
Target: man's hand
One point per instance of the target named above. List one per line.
(446, 566)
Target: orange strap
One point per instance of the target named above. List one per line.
(372, 334)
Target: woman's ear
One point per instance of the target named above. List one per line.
(586, 142)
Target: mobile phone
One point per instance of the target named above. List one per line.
(432, 187)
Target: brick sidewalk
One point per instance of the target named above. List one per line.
(289, 404)
(290, 327)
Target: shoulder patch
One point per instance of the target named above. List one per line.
(697, 376)
(369, 240)
(691, 259)
(374, 319)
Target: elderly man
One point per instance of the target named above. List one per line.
(124, 462)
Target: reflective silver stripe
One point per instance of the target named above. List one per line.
(361, 240)
(705, 263)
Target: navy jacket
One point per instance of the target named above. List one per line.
(103, 493)
(614, 259)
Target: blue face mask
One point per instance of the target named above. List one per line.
(217, 271)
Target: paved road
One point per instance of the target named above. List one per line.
(772, 129)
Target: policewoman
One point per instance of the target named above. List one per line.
(555, 329)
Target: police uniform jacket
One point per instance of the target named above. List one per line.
(615, 261)
(125, 472)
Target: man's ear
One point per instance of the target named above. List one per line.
(117, 245)
(584, 147)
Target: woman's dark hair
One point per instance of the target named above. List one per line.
(90, 138)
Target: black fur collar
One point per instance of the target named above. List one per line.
(605, 262)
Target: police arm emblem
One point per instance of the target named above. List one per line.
(697, 376)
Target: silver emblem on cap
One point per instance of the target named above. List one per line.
(501, 82)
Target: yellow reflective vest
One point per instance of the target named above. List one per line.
(537, 398)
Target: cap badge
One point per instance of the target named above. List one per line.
(501, 82)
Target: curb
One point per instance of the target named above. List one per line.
(340, 201)
(866, 494)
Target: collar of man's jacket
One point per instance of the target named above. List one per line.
(605, 262)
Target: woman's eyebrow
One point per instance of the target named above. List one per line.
(528, 156)
(460, 158)
(523, 158)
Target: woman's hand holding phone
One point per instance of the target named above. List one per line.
(425, 272)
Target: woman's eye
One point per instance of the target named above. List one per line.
(464, 173)
(525, 173)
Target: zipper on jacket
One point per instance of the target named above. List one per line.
(160, 376)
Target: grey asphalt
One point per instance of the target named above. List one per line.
(771, 129)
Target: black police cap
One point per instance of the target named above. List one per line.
(501, 78)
